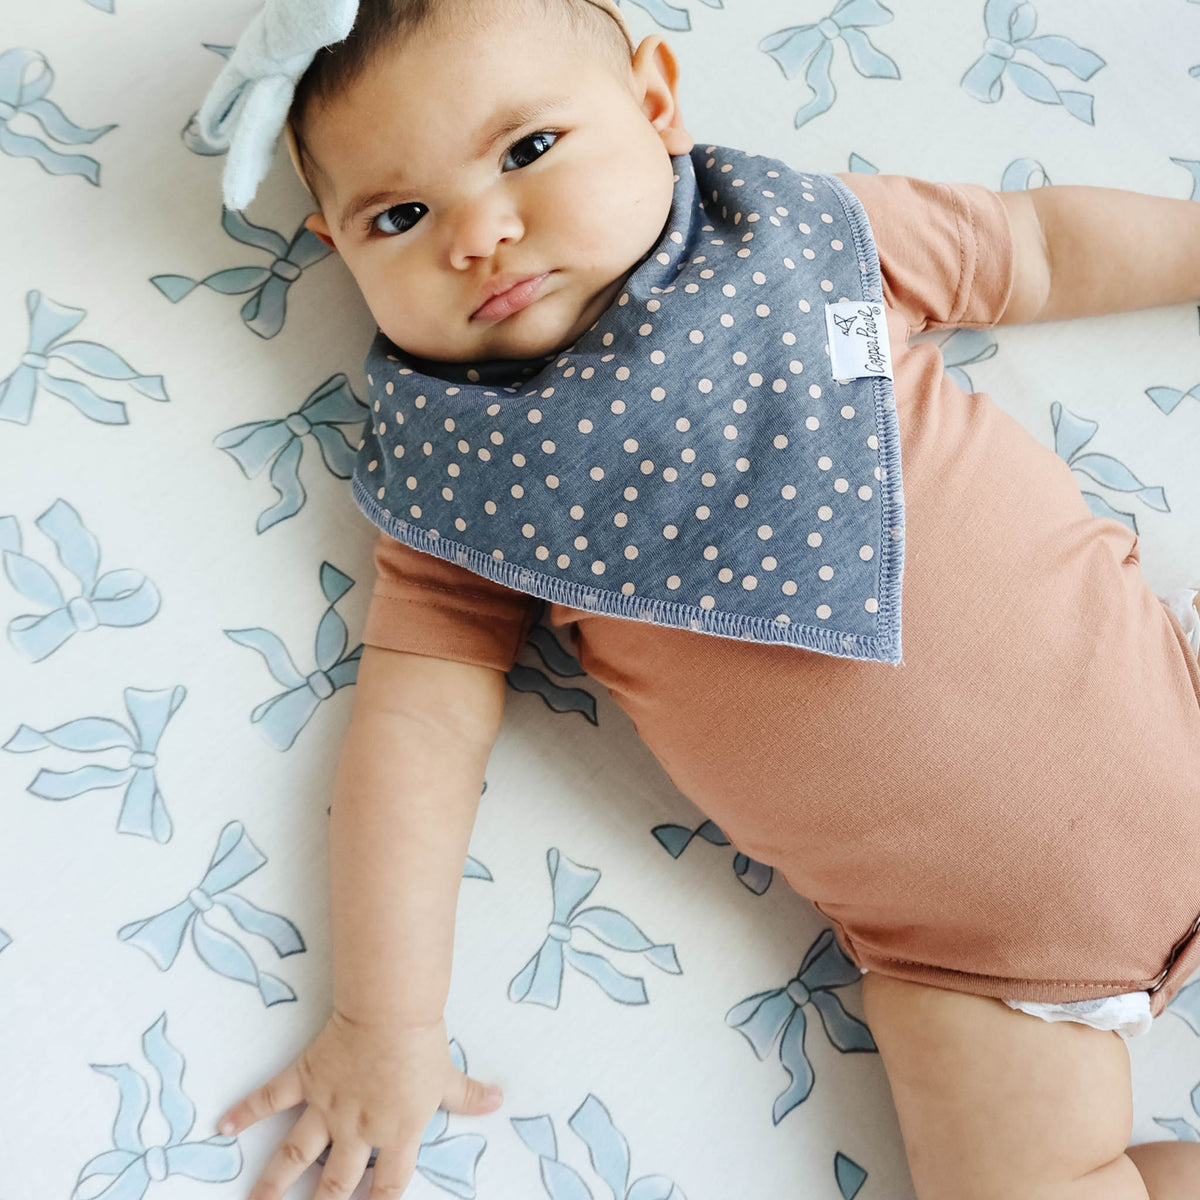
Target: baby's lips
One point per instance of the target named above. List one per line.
(519, 296)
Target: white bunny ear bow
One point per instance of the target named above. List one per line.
(247, 105)
(246, 108)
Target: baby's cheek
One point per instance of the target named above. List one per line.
(616, 238)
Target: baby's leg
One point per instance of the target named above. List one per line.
(996, 1104)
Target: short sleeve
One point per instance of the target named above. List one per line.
(946, 249)
(424, 605)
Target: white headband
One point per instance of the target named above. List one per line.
(246, 108)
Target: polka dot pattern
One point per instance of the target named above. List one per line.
(689, 460)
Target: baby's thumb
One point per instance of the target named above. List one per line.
(470, 1097)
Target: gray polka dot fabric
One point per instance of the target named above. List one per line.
(691, 461)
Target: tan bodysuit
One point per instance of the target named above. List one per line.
(1012, 812)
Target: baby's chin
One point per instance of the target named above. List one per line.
(509, 339)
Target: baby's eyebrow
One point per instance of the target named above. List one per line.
(500, 125)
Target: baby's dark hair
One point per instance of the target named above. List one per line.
(382, 23)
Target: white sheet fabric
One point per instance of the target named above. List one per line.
(186, 577)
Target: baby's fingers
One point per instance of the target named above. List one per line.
(280, 1092)
(294, 1155)
(347, 1162)
(394, 1169)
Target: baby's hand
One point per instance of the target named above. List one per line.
(365, 1086)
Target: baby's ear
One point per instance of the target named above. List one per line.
(316, 223)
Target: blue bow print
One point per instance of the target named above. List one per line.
(762, 1017)
(963, 347)
(124, 597)
(48, 323)
(1192, 165)
(675, 839)
(142, 809)
(193, 139)
(1169, 399)
(131, 1164)
(557, 698)
(5, 940)
(1177, 1127)
(607, 1148)
(474, 869)
(266, 309)
(161, 936)
(448, 1162)
(1010, 25)
(793, 48)
(102, 5)
(540, 980)
(677, 19)
(282, 717)
(282, 439)
(1024, 174)
(21, 95)
(1071, 434)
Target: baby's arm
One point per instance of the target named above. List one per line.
(405, 798)
(1088, 251)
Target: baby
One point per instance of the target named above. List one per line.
(1000, 823)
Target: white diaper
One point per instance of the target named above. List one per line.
(1180, 603)
(1127, 1014)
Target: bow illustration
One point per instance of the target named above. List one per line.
(133, 1165)
(1191, 165)
(265, 311)
(1010, 25)
(190, 133)
(1169, 399)
(283, 716)
(607, 1149)
(161, 936)
(761, 1018)
(670, 17)
(1071, 434)
(540, 980)
(142, 809)
(557, 698)
(675, 839)
(281, 442)
(19, 94)
(48, 324)
(961, 348)
(793, 48)
(120, 598)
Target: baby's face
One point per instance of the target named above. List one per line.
(582, 191)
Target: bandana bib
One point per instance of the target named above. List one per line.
(719, 452)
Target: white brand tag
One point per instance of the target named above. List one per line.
(858, 339)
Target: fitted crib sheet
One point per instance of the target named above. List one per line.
(186, 577)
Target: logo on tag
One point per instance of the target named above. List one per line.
(858, 339)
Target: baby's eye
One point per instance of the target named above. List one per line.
(532, 139)
(394, 216)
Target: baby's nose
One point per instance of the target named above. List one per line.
(481, 227)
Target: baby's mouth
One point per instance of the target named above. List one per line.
(517, 297)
